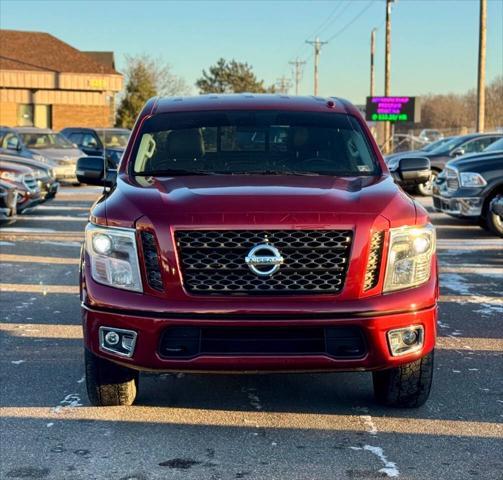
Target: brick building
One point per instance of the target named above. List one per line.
(47, 83)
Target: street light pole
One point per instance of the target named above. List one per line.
(481, 77)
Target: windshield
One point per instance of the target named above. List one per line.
(497, 146)
(433, 145)
(114, 139)
(45, 140)
(448, 145)
(253, 142)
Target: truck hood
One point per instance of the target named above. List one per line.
(254, 199)
(476, 163)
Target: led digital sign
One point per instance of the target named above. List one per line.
(393, 109)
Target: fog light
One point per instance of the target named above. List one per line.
(112, 338)
(117, 341)
(406, 340)
(409, 337)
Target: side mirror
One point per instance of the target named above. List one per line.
(414, 170)
(458, 151)
(91, 170)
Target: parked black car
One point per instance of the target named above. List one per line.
(94, 141)
(462, 145)
(43, 173)
(467, 188)
(8, 202)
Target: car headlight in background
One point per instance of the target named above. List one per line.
(12, 176)
(114, 257)
(39, 158)
(409, 257)
(472, 179)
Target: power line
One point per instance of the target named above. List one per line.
(328, 20)
(355, 18)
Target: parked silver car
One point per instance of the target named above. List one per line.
(43, 145)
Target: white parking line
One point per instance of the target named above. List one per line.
(60, 208)
(54, 218)
(472, 269)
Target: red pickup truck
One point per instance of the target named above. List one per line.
(257, 233)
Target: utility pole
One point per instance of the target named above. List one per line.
(387, 74)
(372, 66)
(298, 64)
(283, 84)
(317, 44)
(481, 77)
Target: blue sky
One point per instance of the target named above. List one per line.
(434, 42)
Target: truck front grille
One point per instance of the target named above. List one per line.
(343, 342)
(213, 261)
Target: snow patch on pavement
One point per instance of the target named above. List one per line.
(390, 469)
(367, 420)
(253, 397)
(455, 282)
(487, 309)
(72, 400)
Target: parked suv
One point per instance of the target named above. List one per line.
(249, 233)
(97, 141)
(470, 187)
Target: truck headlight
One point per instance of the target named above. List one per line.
(409, 257)
(14, 177)
(472, 179)
(114, 257)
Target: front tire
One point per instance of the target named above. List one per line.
(494, 223)
(405, 386)
(109, 384)
(426, 189)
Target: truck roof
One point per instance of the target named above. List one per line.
(251, 101)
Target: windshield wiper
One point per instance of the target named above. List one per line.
(172, 173)
(277, 172)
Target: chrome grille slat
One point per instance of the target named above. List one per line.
(29, 181)
(374, 261)
(152, 266)
(452, 180)
(213, 262)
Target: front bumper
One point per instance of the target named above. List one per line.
(150, 329)
(458, 206)
(28, 199)
(48, 188)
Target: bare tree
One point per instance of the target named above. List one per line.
(145, 78)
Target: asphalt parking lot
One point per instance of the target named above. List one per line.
(231, 427)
